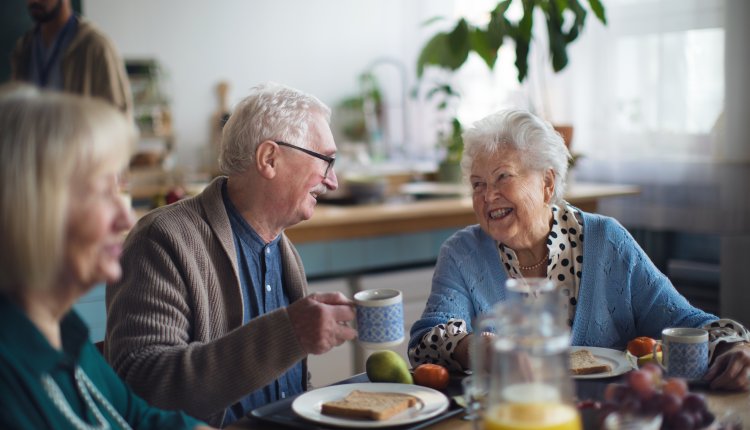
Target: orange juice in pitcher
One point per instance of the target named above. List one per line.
(532, 416)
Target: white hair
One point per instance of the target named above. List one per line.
(271, 112)
(541, 147)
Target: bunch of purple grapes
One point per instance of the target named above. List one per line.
(646, 392)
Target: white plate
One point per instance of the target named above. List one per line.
(616, 360)
(431, 402)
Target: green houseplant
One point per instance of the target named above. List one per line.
(355, 108)
(449, 50)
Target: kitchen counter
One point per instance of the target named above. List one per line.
(349, 222)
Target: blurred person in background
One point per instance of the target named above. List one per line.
(214, 295)
(516, 165)
(62, 220)
(66, 52)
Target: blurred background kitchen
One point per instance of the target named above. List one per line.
(657, 98)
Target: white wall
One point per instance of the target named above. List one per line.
(318, 46)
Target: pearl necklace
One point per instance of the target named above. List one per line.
(535, 265)
(87, 390)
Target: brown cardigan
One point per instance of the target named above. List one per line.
(91, 66)
(174, 320)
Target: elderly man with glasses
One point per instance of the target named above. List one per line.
(211, 315)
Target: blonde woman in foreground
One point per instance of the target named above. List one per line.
(62, 220)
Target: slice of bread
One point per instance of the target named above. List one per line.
(369, 405)
(583, 362)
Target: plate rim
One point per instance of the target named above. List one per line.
(414, 390)
(610, 354)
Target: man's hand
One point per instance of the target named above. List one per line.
(320, 321)
(731, 369)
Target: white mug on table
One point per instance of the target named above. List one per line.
(684, 352)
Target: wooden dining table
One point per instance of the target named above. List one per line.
(727, 406)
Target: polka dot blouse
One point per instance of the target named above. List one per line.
(565, 246)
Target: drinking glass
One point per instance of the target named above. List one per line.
(484, 330)
(472, 399)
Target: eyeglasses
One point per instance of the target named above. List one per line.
(327, 159)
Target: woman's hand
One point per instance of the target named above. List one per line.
(463, 351)
(731, 369)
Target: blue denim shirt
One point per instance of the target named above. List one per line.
(262, 291)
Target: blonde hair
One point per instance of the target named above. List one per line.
(47, 140)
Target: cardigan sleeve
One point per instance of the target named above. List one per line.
(174, 326)
(622, 293)
(656, 302)
(447, 315)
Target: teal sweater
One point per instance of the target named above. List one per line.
(25, 355)
(622, 294)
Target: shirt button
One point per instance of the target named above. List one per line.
(283, 395)
(268, 287)
(268, 250)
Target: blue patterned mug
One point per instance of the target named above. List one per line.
(684, 352)
(380, 318)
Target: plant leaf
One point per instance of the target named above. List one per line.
(580, 20)
(499, 26)
(558, 52)
(434, 52)
(447, 50)
(522, 36)
(459, 44)
(433, 20)
(557, 39)
(598, 9)
(456, 146)
(480, 43)
(445, 88)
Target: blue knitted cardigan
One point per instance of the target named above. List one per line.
(622, 294)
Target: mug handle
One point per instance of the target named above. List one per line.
(659, 362)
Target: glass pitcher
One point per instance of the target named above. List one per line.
(530, 387)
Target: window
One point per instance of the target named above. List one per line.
(661, 90)
(649, 84)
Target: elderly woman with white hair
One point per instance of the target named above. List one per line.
(62, 219)
(516, 166)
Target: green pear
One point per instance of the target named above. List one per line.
(388, 366)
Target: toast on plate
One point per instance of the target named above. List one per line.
(369, 405)
(583, 362)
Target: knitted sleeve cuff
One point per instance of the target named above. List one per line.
(725, 330)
